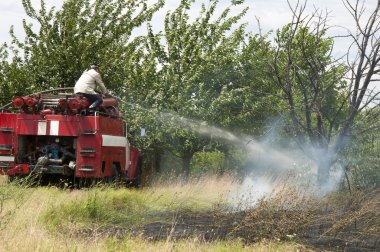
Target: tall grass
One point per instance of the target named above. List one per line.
(339, 221)
(53, 219)
(110, 219)
(105, 207)
(12, 198)
(3, 180)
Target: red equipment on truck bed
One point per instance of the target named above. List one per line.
(57, 135)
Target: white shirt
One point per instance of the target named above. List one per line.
(88, 82)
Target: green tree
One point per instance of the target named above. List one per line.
(311, 83)
(323, 105)
(13, 75)
(247, 99)
(362, 167)
(182, 62)
(67, 41)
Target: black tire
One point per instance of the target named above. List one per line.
(10, 179)
(116, 176)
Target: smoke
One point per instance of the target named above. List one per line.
(252, 189)
(269, 164)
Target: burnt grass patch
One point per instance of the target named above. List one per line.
(338, 223)
(252, 228)
(319, 232)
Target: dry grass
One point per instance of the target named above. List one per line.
(281, 216)
(51, 219)
(26, 231)
(3, 180)
(339, 221)
(199, 193)
(353, 218)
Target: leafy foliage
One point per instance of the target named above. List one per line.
(69, 40)
(184, 76)
(201, 70)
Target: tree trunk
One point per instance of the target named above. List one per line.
(186, 164)
(151, 166)
(156, 162)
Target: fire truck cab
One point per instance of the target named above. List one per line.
(57, 135)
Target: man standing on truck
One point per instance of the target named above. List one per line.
(87, 84)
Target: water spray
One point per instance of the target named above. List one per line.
(269, 167)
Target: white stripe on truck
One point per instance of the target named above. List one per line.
(41, 128)
(54, 128)
(7, 158)
(114, 141)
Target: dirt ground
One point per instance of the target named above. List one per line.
(209, 226)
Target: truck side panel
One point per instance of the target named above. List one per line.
(31, 125)
(7, 132)
(114, 144)
(114, 153)
(111, 126)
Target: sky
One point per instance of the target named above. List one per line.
(273, 14)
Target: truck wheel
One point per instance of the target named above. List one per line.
(115, 175)
(11, 178)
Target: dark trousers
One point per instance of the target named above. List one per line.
(94, 99)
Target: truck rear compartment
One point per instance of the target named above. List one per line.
(47, 154)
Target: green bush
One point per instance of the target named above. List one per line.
(363, 167)
(207, 162)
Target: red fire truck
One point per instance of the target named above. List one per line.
(55, 134)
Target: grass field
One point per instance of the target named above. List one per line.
(193, 216)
